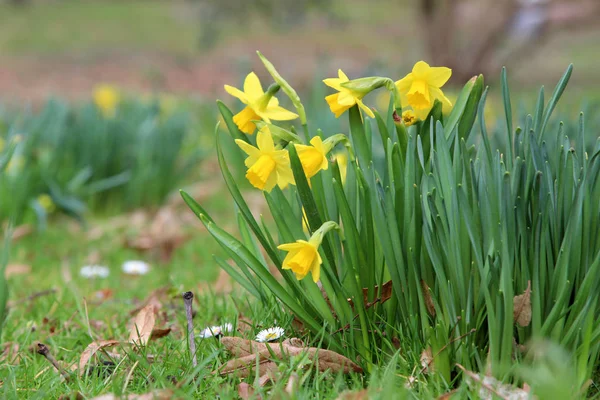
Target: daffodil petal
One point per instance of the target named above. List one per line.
(252, 87)
(343, 77)
(421, 70)
(438, 76)
(346, 98)
(264, 141)
(278, 114)
(237, 93)
(334, 83)
(437, 93)
(366, 109)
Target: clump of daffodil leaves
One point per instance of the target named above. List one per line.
(453, 225)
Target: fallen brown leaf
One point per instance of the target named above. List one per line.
(427, 361)
(427, 297)
(91, 350)
(154, 299)
(162, 394)
(158, 333)
(16, 269)
(246, 352)
(350, 395)
(522, 307)
(102, 294)
(21, 231)
(141, 331)
(10, 353)
(245, 391)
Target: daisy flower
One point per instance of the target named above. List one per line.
(270, 335)
(215, 331)
(94, 271)
(135, 267)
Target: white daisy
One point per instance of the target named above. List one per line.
(270, 335)
(215, 331)
(94, 271)
(135, 267)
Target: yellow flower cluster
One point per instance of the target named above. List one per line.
(269, 165)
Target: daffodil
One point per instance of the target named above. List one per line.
(267, 166)
(106, 99)
(409, 118)
(303, 256)
(314, 157)
(420, 88)
(345, 98)
(46, 202)
(259, 105)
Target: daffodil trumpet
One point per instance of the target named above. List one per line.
(303, 256)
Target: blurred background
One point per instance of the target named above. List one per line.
(66, 47)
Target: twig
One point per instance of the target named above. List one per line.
(45, 351)
(444, 348)
(31, 297)
(188, 298)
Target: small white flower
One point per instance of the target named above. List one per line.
(94, 271)
(270, 335)
(216, 330)
(135, 267)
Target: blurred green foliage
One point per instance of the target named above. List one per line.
(79, 158)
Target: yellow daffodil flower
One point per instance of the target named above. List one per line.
(267, 166)
(314, 157)
(46, 202)
(106, 99)
(345, 98)
(303, 257)
(259, 105)
(409, 118)
(420, 88)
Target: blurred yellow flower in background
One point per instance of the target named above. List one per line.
(420, 88)
(106, 98)
(313, 157)
(345, 98)
(259, 105)
(267, 166)
(46, 202)
(303, 257)
(409, 118)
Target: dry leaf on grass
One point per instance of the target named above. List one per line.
(522, 307)
(247, 351)
(350, 395)
(245, 391)
(91, 350)
(16, 269)
(158, 333)
(154, 299)
(490, 387)
(21, 231)
(10, 353)
(162, 394)
(427, 297)
(427, 361)
(144, 322)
